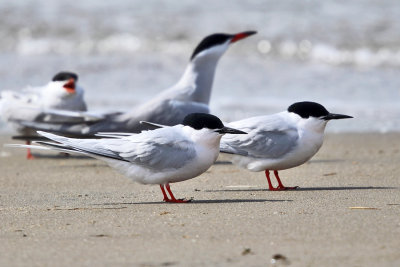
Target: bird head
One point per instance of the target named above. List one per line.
(314, 115)
(67, 80)
(216, 44)
(211, 123)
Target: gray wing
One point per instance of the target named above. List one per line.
(165, 112)
(152, 150)
(168, 112)
(75, 129)
(83, 115)
(180, 109)
(79, 129)
(261, 142)
(160, 156)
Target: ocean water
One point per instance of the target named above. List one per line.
(342, 54)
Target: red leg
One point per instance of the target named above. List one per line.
(28, 151)
(269, 181)
(280, 185)
(166, 199)
(173, 199)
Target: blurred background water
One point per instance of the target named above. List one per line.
(343, 54)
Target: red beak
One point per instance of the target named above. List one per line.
(70, 86)
(242, 35)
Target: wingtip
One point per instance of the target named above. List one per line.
(42, 133)
(152, 124)
(46, 134)
(26, 146)
(12, 145)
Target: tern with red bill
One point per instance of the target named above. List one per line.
(43, 104)
(162, 156)
(189, 95)
(279, 141)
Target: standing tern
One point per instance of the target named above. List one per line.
(279, 141)
(162, 156)
(190, 94)
(42, 104)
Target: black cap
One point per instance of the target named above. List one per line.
(64, 76)
(199, 121)
(217, 39)
(306, 109)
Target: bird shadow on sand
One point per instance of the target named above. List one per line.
(201, 201)
(325, 161)
(221, 162)
(227, 201)
(344, 188)
(339, 188)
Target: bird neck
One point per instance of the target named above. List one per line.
(204, 137)
(198, 78)
(311, 133)
(314, 125)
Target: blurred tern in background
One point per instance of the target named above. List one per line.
(189, 95)
(43, 104)
(279, 141)
(162, 156)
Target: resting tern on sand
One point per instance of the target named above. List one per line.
(279, 141)
(162, 156)
(189, 95)
(42, 104)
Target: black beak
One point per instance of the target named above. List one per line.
(227, 130)
(333, 116)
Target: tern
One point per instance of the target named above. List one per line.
(191, 94)
(42, 104)
(280, 141)
(162, 156)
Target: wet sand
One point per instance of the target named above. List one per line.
(79, 212)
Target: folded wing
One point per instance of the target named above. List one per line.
(151, 150)
(267, 137)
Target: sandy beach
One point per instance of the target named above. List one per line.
(79, 212)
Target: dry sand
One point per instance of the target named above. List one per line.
(79, 212)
